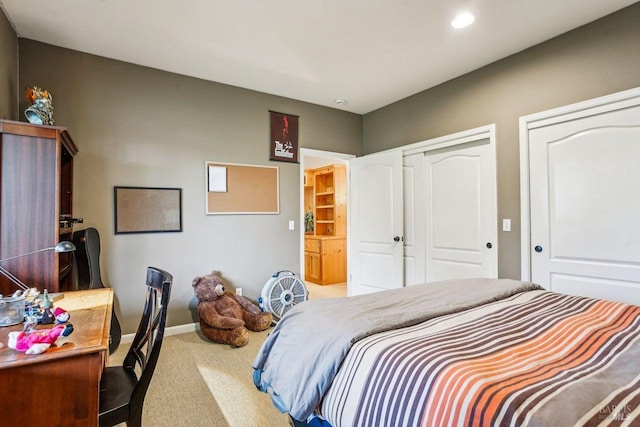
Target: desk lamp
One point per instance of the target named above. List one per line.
(61, 247)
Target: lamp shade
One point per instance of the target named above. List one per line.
(65, 246)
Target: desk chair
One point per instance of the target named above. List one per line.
(123, 388)
(87, 255)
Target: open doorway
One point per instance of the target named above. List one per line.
(324, 222)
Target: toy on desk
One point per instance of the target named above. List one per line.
(47, 317)
(47, 305)
(31, 318)
(43, 312)
(61, 315)
(39, 341)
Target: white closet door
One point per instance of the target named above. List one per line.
(461, 213)
(413, 182)
(585, 205)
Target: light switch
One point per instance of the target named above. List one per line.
(292, 225)
(506, 224)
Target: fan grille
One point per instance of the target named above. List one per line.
(284, 294)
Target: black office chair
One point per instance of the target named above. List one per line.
(87, 255)
(123, 388)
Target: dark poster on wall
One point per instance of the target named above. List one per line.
(284, 137)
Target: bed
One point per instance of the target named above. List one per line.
(481, 352)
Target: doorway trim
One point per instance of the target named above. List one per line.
(329, 155)
(458, 138)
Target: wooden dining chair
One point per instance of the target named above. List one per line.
(123, 388)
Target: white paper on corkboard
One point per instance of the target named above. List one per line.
(218, 179)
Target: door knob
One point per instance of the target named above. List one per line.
(396, 239)
(538, 249)
(489, 245)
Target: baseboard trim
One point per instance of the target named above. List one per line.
(171, 330)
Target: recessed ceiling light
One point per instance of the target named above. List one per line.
(463, 20)
(340, 101)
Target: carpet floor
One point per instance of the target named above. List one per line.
(200, 383)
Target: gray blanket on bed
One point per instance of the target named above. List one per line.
(301, 356)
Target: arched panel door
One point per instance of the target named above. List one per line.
(375, 243)
(584, 205)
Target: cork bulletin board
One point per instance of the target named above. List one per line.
(233, 188)
(147, 210)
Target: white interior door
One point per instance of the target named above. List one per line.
(375, 223)
(584, 204)
(413, 182)
(461, 213)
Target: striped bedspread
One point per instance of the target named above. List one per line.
(301, 356)
(537, 358)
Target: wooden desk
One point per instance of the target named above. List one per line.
(60, 387)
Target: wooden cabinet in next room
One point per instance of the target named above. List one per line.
(330, 201)
(325, 259)
(325, 254)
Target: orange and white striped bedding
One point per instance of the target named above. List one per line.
(537, 358)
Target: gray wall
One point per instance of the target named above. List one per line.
(143, 127)
(595, 60)
(136, 126)
(8, 70)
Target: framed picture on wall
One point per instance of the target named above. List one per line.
(147, 210)
(283, 142)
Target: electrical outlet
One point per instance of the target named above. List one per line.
(239, 291)
(292, 225)
(506, 224)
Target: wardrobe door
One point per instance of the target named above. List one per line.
(585, 209)
(413, 185)
(461, 213)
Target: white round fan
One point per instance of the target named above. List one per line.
(282, 291)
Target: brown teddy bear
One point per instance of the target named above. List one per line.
(225, 316)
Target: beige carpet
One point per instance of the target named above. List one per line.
(200, 383)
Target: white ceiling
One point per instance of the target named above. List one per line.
(369, 52)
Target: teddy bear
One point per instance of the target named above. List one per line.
(224, 316)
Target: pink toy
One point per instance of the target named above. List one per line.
(39, 341)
